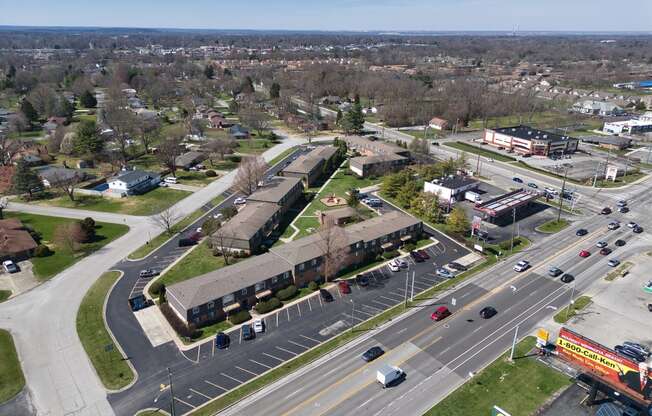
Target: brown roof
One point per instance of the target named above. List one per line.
(14, 240)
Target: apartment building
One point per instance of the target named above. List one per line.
(310, 167)
(377, 157)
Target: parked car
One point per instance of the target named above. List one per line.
(623, 210)
(218, 216)
(613, 262)
(487, 312)
(440, 313)
(641, 349)
(620, 243)
(247, 332)
(170, 179)
(325, 295)
(259, 326)
(638, 229)
(554, 271)
(533, 185)
(163, 184)
(605, 211)
(222, 341)
(605, 251)
(148, 273)
(402, 263)
(456, 266)
(585, 253)
(416, 257)
(441, 272)
(629, 353)
(362, 281)
(631, 224)
(186, 242)
(517, 180)
(521, 266)
(613, 225)
(622, 203)
(581, 232)
(601, 244)
(344, 287)
(239, 201)
(567, 278)
(372, 353)
(393, 266)
(424, 254)
(9, 266)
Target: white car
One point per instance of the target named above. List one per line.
(441, 272)
(632, 224)
(402, 263)
(521, 266)
(240, 201)
(199, 230)
(217, 216)
(613, 262)
(393, 266)
(601, 244)
(9, 266)
(259, 326)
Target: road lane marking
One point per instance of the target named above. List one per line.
(297, 344)
(201, 394)
(311, 339)
(215, 385)
(184, 403)
(271, 356)
(260, 364)
(232, 378)
(246, 371)
(293, 393)
(288, 351)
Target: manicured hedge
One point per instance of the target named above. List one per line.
(287, 293)
(188, 331)
(239, 317)
(313, 286)
(268, 306)
(211, 173)
(156, 288)
(390, 254)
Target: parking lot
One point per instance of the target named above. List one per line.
(301, 326)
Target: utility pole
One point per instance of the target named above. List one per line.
(511, 354)
(511, 250)
(352, 314)
(561, 195)
(412, 291)
(571, 301)
(477, 166)
(172, 412)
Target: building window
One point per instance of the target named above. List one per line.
(243, 291)
(286, 275)
(211, 305)
(302, 266)
(260, 286)
(313, 262)
(195, 310)
(274, 279)
(227, 299)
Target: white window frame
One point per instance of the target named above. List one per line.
(195, 310)
(228, 299)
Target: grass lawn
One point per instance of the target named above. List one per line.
(4, 295)
(480, 151)
(150, 203)
(12, 380)
(519, 388)
(282, 156)
(253, 146)
(208, 331)
(339, 185)
(540, 120)
(553, 226)
(46, 267)
(619, 271)
(194, 178)
(109, 364)
(226, 164)
(620, 181)
(147, 162)
(567, 313)
(151, 413)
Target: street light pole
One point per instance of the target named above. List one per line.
(407, 278)
(172, 412)
(352, 313)
(561, 195)
(571, 301)
(511, 354)
(513, 228)
(412, 291)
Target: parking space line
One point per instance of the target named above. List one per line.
(215, 385)
(364, 313)
(372, 307)
(309, 304)
(200, 393)
(271, 356)
(380, 303)
(260, 364)
(232, 378)
(184, 403)
(288, 312)
(311, 339)
(399, 295)
(349, 316)
(320, 302)
(421, 287)
(288, 351)
(240, 338)
(297, 344)
(277, 318)
(299, 308)
(433, 281)
(401, 290)
(246, 371)
(213, 349)
(389, 299)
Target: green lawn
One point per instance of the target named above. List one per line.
(4, 295)
(541, 120)
(253, 146)
(194, 178)
(518, 387)
(208, 331)
(147, 162)
(620, 181)
(465, 147)
(150, 203)
(553, 226)
(46, 267)
(105, 356)
(567, 313)
(282, 156)
(611, 276)
(12, 380)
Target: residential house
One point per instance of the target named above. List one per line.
(310, 167)
(597, 108)
(530, 141)
(15, 242)
(55, 175)
(238, 132)
(217, 121)
(189, 159)
(134, 182)
(438, 123)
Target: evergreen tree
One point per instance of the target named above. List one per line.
(354, 119)
(209, 71)
(25, 180)
(275, 91)
(11, 73)
(87, 142)
(64, 108)
(87, 100)
(28, 111)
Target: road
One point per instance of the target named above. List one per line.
(58, 373)
(438, 357)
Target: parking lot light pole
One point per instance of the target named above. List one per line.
(172, 411)
(407, 278)
(352, 313)
(412, 291)
(561, 195)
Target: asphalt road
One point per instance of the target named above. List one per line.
(438, 357)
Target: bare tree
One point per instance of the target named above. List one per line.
(8, 149)
(222, 243)
(18, 123)
(123, 123)
(4, 203)
(148, 130)
(68, 237)
(66, 183)
(166, 219)
(334, 247)
(250, 173)
(219, 147)
(168, 152)
(255, 119)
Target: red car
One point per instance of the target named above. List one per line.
(441, 313)
(585, 253)
(423, 254)
(344, 287)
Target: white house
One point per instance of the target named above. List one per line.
(134, 182)
(450, 188)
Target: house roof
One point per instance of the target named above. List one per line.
(375, 146)
(274, 190)
(597, 105)
(454, 181)
(214, 285)
(238, 129)
(369, 160)
(249, 220)
(54, 174)
(339, 213)
(529, 133)
(13, 239)
(134, 176)
(305, 164)
(189, 158)
(377, 227)
(438, 121)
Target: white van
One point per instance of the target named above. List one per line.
(387, 374)
(170, 179)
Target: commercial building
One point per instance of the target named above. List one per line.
(310, 167)
(530, 141)
(450, 188)
(377, 157)
(608, 142)
(212, 296)
(597, 108)
(643, 124)
(495, 208)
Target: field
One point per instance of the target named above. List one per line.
(12, 380)
(465, 147)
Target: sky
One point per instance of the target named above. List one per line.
(386, 15)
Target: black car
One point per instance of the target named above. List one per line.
(416, 257)
(581, 232)
(638, 229)
(187, 242)
(605, 251)
(605, 211)
(248, 332)
(487, 312)
(620, 243)
(362, 281)
(222, 341)
(623, 210)
(372, 353)
(148, 273)
(567, 278)
(325, 295)
(517, 180)
(629, 353)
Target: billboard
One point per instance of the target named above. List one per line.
(622, 374)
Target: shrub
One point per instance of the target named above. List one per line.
(234, 158)
(156, 288)
(313, 286)
(409, 247)
(506, 245)
(287, 293)
(268, 306)
(42, 251)
(188, 331)
(239, 317)
(210, 173)
(390, 254)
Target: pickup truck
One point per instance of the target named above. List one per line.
(388, 374)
